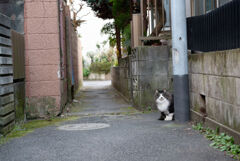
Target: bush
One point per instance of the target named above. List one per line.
(100, 67)
(86, 72)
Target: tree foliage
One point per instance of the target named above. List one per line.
(100, 67)
(109, 29)
(121, 13)
(119, 10)
(101, 62)
(102, 8)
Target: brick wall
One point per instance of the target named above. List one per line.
(42, 55)
(215, 86)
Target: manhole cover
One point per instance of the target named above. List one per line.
(86, 126)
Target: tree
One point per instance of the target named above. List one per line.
(119, 10)
(91, 56)
(122, 17)
(76, 9)
(102, 8)
(109, 29)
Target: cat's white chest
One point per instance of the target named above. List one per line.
(162, 105)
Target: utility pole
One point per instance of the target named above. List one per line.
(180, 60)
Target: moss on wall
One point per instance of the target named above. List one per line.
(41, 107)
(19, 98)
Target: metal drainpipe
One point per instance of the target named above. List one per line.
(61, 36)
(60, 44)
(180, 61)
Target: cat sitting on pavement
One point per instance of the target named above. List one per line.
(164, 102)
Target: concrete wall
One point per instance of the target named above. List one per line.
(215, 86)
(77, 61)
(150, 71)
(19, 100)
(138, 76)
(96, 76)
(18, 48)
(121, 78)
(42, 56)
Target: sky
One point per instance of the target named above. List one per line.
(90, 31)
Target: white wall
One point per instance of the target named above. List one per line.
(188, 8)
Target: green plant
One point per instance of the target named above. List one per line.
(198, 127)
(220, 141)
(100, 67)
(126, 38)
(115, 63)
(149, 108)
(86, 72)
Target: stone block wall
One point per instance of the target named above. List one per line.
(150, 70)
(139, 75)
(214, 80)
(215, 85)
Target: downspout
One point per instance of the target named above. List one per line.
(61, 35)
(60, 74)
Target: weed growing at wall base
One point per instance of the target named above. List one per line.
(220, 141)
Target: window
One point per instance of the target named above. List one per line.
(222, 2)
(210, 5)
(167, 12)
(198, 7)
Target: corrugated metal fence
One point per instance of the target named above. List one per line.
(216, 30)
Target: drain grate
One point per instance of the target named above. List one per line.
(85, 126)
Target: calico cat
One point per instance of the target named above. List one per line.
(164, 102)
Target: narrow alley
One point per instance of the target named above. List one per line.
(126, 134)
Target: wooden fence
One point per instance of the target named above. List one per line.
(7, 114)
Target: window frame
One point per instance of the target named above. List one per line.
(215, 3)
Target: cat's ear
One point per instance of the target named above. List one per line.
(164, 90)
(156, 92)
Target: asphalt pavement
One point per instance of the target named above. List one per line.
(130, 136)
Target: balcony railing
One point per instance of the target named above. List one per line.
(216, 30)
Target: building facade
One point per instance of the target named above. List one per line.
(50, 66)
(52, 54)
